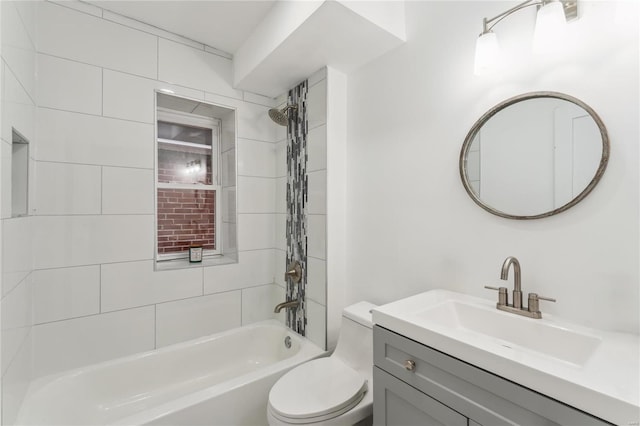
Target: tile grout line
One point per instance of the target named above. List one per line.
(158, 59)
(102, 94)
(223, 54)
(100, 288)
(101, 190)
(155, 326)
(89, 164)
(158, 80)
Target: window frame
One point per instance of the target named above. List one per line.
(178, 117)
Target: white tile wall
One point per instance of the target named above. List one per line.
(80, 7)
(254, 268)
(316, 236)
(16, 320)
(67, 189)
(69, 85)
(281, 159)
(5, 177)
(259, 99)
(62, 241)
(256, 158)
(77, 342)
(254, 123)
(17, 98)
(256, 195)
(317, 192)
(186, 66)
(80, 138)
(281, 232)
(280, 296)
(229, 168)
(258, 303)
(255, 231)
(230, 239)
(95, 283)
(17, 46)
(130, 97)
(280, 268)
(317, 149)
(317, 76)
(131, 284)
(317, 280)
(84, 38)
(317, 104)
(281, 195)
(229, 205)
(253, 119)
(132, 23)
(65, 293)
(18, 109)
(15, 382)
(316, 323)
(127, 191)
(17, 251)
(200, 316)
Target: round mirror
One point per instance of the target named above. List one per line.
(534, 155)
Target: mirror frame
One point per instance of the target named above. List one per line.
(533, 95)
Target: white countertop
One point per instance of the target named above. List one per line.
(605, 384)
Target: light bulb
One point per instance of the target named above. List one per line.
(550, 28)
(487, 53)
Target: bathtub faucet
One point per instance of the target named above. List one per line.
(291, 304)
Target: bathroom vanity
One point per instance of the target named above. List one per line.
(439, 360)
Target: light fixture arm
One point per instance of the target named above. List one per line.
(485, 22)
(570, 11)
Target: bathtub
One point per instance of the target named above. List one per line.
(222, 379)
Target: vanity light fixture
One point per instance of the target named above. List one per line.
(550, 21)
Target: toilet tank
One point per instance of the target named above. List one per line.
(355, 342)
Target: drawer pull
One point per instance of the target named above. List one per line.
(410, 365)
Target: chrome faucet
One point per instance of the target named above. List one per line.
(533, 310)
(517, 283)
(290, 304)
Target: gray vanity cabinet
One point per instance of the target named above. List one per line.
(437, 389)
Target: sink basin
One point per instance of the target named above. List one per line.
(593, 370)
(512, 331)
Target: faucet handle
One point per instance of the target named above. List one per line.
(503, 295)
(534, 302)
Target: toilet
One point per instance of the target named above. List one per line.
(336, 390)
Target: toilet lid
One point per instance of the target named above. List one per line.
(317, 388)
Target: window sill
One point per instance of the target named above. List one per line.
(170, 265)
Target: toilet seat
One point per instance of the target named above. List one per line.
(316, 391)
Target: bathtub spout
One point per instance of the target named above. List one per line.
(291, 304)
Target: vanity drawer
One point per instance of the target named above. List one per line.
(396, 403)
(484, 397)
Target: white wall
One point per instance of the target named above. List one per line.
(96, 295)
(411, 226)
(18, 105)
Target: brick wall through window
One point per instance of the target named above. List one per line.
(185, 217)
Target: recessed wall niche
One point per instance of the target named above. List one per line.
(19, 174)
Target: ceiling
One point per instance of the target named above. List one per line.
(224, 25)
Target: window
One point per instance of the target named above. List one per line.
(187, 187)
(195, 181)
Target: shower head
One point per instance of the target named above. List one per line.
(281, 116)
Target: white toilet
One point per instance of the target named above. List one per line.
(337, 390)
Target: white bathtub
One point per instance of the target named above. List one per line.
(223, 379)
